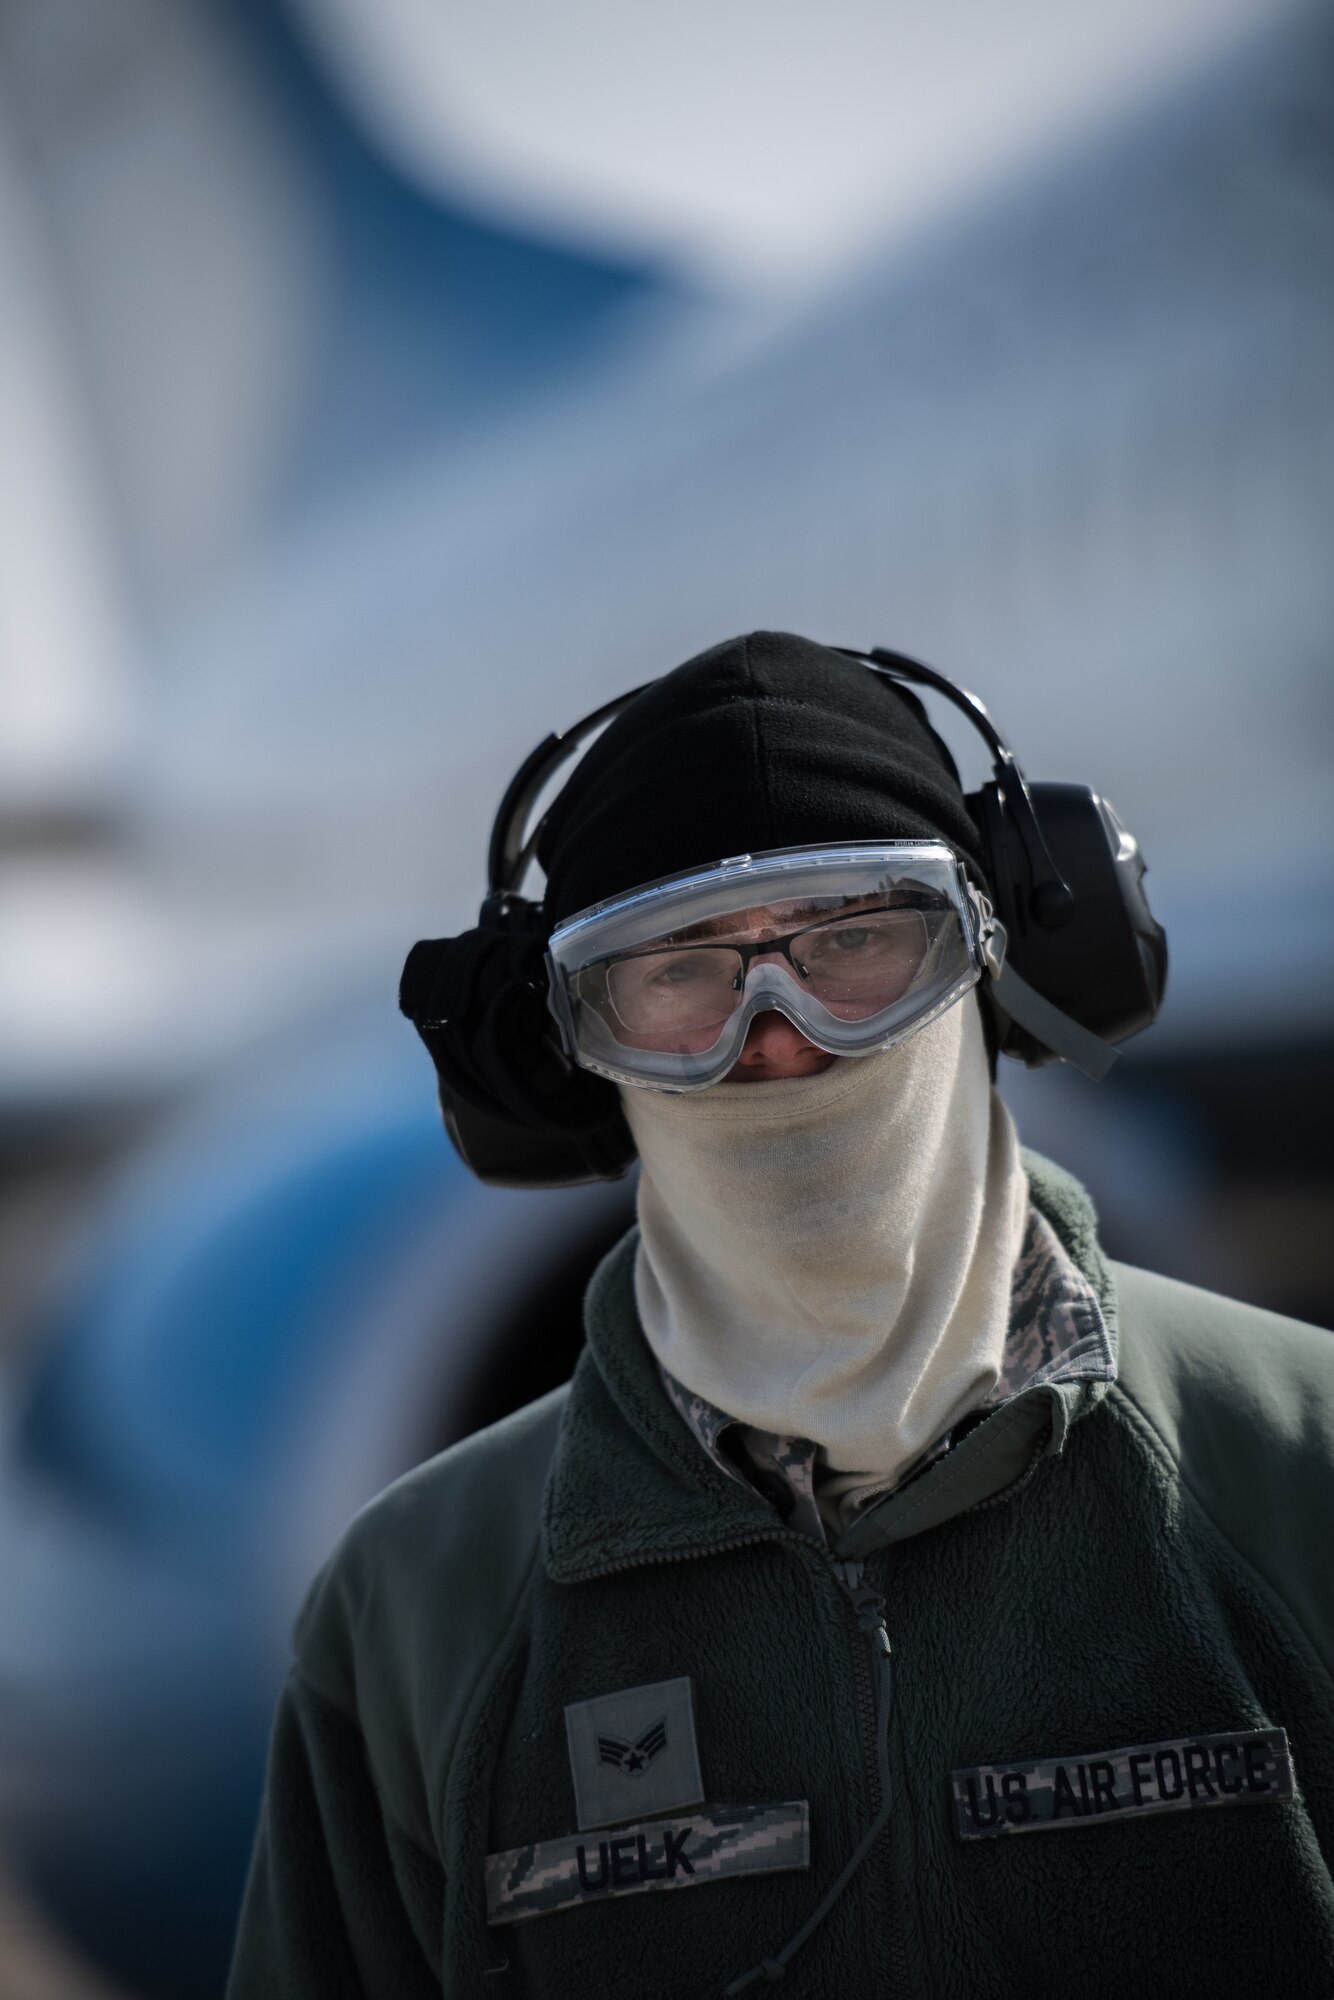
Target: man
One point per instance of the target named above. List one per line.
(901, 1599)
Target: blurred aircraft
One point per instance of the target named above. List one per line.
(298, 1293)
(1072, 445)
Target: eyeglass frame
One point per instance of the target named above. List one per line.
(757, 948)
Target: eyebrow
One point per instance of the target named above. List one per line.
(736, 927)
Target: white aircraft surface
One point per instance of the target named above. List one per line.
(400, 491)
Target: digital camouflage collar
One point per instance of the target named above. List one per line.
(642, 1490)
(1056, 1334)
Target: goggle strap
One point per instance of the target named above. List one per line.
(1056, 1031)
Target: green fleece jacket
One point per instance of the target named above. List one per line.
(575, 1713)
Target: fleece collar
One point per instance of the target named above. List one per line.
(629, 1484)
(1056, 1334)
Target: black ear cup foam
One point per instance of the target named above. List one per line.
(519, 1113)
(1104, 961)
(503, 1153)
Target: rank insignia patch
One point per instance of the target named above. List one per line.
(682, 1852)
(632, 1758)
(633, 1753)
(1252, 1767)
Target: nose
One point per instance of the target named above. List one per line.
(775, 1048)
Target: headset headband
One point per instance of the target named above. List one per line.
(1051, 901)
(508, 852)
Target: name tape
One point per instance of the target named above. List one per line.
(677, 1853)
(1251, 1767)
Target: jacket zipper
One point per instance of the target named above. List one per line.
(875, 1675)
(869, 1606)
(872, 1717)
(863, 1601)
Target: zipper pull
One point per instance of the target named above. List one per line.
(870, 1607)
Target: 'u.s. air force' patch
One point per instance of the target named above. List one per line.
(1251, 1767)
(679, 1853)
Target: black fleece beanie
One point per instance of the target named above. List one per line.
(764, 741)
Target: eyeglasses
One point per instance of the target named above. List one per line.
(855, 963)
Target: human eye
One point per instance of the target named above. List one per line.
(846, 940)
(679, 970)
(854, 937)
(676, 969)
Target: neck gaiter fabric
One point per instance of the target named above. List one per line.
(830, 1257)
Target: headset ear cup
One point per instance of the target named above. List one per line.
(503, 1153)
(518, 1111)
(1107, 965)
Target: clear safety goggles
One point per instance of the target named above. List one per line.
(859, 946)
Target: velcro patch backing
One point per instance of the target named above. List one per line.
(678, 1853)
(1251, 1767)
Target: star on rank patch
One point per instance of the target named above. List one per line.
(632, 1758)
(633, 1753)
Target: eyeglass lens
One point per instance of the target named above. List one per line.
(854, 966)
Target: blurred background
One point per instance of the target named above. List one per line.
(384, 386)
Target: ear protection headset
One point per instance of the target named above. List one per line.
(1084, 966)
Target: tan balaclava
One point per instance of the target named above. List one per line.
(829, 1257)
